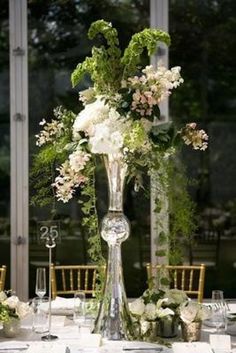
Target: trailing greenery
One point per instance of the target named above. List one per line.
(173, 184)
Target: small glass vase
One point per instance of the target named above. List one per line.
(114, 321)
(11, 328)
(191, 332)
(168, 327)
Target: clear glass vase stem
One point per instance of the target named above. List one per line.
(113, 321)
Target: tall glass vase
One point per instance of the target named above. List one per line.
(113, 321)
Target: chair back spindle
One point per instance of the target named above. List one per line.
(68, 279)
(3, 270)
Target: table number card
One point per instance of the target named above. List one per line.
(48, 228)
(220, 343)
(191, 347)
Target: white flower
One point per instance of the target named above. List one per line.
(204, 313)
(137, 307)
(144, 326)
(108, 135)
(67, 181)
(175, 296)
(194, 312)
(78, 160)
(12, 302)
(23, 310)
(87, 95)
(2, 296)
(150, 311)
(49, 132)
(164, 312)
(93, 113)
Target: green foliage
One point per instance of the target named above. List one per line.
(173, 183)
(91, 227)
(105, 66)
(165, 135)
(48, 158)
(148, 38)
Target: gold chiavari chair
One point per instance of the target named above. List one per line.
(3, 270)
(190, 279)
(68, 279)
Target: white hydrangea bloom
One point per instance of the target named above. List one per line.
(93, 113)
(175, 296)
(108, 135)
(137, 307)
(150, 311)
(23, 309)
(12, 302)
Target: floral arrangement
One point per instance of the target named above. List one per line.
(120, 117)
(120, 113)
(12, 307)
(156, 305)
(194, 312)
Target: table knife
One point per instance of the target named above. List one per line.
(157, 349)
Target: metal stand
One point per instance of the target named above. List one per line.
(50, 243)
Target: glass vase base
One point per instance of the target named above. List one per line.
(49, 338)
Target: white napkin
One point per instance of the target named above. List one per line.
(191, 347)
(58, 321)
(74, 349)
(60, 306)
(220, 343)
(11, 345)
(232, 308)
(46, 347)
(91, 340)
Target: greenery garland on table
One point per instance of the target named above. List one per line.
(121, 117)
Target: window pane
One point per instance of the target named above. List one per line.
(203, 44)
(57, 42)
(4, 142)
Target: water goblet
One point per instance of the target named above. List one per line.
(40, 317)
(79, 309)
(40, 286)
(218, 310)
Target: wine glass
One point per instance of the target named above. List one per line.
(218, 309)
(40, 287)
(79, 309)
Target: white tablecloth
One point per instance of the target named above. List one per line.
(68, 336)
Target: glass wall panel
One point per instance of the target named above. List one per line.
(57, 42)
(204, 45)
(4, 142)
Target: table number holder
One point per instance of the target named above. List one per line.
(48, 235)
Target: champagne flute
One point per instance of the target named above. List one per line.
(79, 309)
(40, 287)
